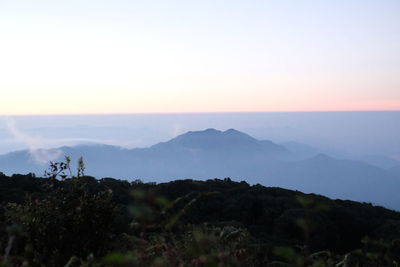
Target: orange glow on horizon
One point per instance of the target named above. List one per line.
(200, 112)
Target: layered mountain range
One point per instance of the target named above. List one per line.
(219, 154)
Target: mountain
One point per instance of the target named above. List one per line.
(345, 179)
(229, 141)
(380, 161)
(212, 153)
(300, 150)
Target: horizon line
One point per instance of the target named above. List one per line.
(190, 113)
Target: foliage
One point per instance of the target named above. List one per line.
(67, 220)
(60, 169)
(81, 221)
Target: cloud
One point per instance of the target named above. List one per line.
(35, 145)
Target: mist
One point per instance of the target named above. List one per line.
(349, 134)
(34, 144)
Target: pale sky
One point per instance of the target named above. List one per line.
(125, 56)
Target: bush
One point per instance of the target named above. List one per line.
(68, 220)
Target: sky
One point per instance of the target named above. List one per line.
(120, 56)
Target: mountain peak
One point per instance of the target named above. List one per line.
(233, 131)
(217, 134)
(210, 130)
(208, 138)
(203, 132)
(229, 141)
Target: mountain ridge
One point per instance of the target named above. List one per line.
(212, 153)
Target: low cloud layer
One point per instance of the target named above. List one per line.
(35, 144)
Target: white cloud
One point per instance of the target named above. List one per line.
(35, 145)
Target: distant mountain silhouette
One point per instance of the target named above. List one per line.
(380, 161)
(212, 153)
(228, 142)
(300, 150)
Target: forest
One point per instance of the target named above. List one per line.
(78, 220)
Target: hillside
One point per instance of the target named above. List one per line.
(216, 222)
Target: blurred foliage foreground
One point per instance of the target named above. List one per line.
(81, 221)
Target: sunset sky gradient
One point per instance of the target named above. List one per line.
(88, 57)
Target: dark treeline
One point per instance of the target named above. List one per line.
(88, 222)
